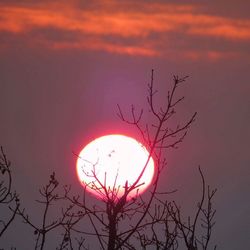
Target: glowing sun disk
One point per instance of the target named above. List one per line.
(111, 161)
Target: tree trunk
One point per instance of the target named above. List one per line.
(112, 232)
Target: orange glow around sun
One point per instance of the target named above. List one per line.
(111, 161)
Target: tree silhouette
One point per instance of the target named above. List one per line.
(8, 197)
(118, 222)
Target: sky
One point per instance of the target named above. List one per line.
(65, 65)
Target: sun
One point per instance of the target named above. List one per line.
(109, 163)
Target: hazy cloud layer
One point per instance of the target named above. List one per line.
(145, 29)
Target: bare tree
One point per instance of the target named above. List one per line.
(188, 229)
(67, 218)
(8, 197)
(118, 211)
(119, 222)
(167, 217)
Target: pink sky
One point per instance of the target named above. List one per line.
(65, 65)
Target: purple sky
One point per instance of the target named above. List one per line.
(64, 67)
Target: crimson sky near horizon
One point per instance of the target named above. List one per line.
(64, 65)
